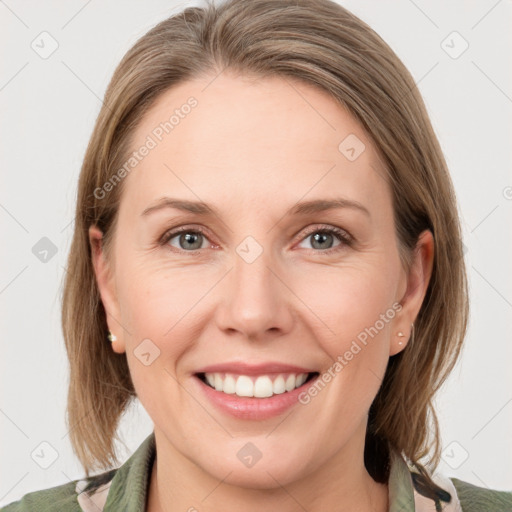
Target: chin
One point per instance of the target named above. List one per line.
(268, 472)
(264, 477)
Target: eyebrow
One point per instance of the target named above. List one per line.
(304, 208)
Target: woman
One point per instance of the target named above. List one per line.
(267, 254)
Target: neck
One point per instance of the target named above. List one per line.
(178, 484)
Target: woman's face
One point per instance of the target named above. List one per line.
(264, 283)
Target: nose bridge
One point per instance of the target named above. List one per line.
(256, 300)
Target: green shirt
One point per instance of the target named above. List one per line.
(125, 490)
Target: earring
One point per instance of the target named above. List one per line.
(111, 337)
(400, 335)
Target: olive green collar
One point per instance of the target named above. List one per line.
(128, 488)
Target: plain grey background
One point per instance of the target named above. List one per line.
(48, 106)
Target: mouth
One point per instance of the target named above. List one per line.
(256, 386)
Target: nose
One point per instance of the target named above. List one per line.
(257, 300)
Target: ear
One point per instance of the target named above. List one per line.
(106, 287)
(416, 284)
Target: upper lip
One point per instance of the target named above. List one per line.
(253, 369)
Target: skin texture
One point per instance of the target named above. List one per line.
(253, 149)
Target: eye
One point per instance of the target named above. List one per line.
(324, 237)
(187, 239)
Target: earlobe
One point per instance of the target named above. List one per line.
(115, 345)
(401, 341)
(105, 283)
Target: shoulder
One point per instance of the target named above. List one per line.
(62, 498)
(93, 494)
(476, 499)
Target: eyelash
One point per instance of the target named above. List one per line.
(345, 238)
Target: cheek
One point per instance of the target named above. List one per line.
(357, 316)
(354, 311)
(164, 306)
(346, 302)
(153, 300)
(157, 311)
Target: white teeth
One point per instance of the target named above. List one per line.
(259, 387)
(278, 386)
(229, 385)
(301, 379)
(244, 386)
(290, 383)
(263, 387)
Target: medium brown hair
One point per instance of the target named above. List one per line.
(324, 45)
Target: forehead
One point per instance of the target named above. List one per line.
(230, 137)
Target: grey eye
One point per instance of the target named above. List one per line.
(188, 240)
(322, 239)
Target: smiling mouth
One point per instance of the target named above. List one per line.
(262, 386)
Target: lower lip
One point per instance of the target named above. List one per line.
(251, 408)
